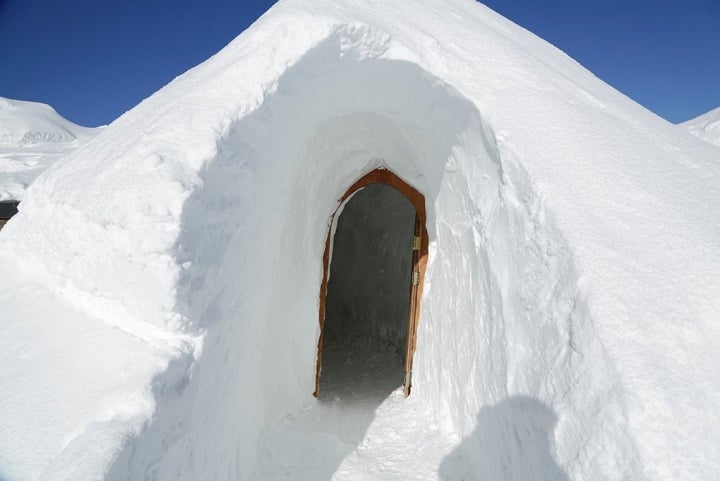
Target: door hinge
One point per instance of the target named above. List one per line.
(416, 243)
(415, 278)
(408, 379)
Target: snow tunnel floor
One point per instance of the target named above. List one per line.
(359, 374)
(361, 428)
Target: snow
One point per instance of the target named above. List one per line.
(165, 276)
(32, 137)
(705, 126)
(52, 353)
(341, 427)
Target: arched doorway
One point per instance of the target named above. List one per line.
(417, 248)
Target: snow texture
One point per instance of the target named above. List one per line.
(705, 126)
(32, 137)
(160, 283)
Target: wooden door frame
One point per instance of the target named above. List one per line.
(383, 176)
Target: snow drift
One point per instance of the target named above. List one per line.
(32, 137)
(162, 295)
(705, 126)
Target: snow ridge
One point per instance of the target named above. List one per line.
(705, 126)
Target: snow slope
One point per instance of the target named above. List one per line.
(705, 126)
(32, 137)
(568, 325)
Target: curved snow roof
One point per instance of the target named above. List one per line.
(573, 259)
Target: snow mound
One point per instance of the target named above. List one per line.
(32, 137)
(705, 126)
(568, 324)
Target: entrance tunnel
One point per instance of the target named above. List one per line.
(368, 296)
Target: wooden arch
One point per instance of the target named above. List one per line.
(419, 263)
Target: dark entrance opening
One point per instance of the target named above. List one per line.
(7, 210)
(374, 261)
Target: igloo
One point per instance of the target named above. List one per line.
(163, 285)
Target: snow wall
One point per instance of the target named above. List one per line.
(204, 212)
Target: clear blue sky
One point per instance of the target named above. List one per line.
(94, 59)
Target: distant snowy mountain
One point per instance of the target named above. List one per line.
(32, 137)
(706, 126)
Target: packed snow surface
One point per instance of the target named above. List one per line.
(32, 137)
(160, 285)
(705, 126)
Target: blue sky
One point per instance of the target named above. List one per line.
(94, 59)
